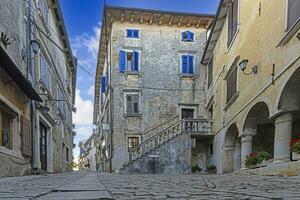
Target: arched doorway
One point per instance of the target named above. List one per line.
(232, 150)
(258, 125)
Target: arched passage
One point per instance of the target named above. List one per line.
(288, 120)
(232, 150)
(258, 125)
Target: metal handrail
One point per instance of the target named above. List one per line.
(169, 133)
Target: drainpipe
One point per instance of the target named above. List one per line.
(30, 65)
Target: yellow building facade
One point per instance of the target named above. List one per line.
(253, 80)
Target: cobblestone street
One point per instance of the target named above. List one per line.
(109, 186)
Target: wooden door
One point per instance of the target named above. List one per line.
(43, 147)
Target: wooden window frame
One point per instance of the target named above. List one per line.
(210, 71)
(232, 28)
(10, 145)
(289, 25)
(233, 72)
(135, 138)
(139, 103)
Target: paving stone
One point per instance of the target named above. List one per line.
(80, 195)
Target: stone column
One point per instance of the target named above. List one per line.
(283, 133)
(246, 148)
(228, 159)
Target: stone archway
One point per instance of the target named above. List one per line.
(287, 122)
(258, 131)
(232, 150)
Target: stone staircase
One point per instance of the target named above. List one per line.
(167, 151)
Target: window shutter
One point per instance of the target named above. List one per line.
(210, 72)
(129, 33)
(232, 84)
(191, 65)
(234, 17)
(122, 61)
(129, 104)
(136, 33)
(103, 83)
(136, 61)
(184, 60)
(26, 137)
(293, 12)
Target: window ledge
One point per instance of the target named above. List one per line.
(231, 101)
(183, 75)
(132, 73)
(133, 115)
(289, 33)
(9, 152)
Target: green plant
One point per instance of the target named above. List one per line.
(296, 147)
(196, 168)
(256, 158)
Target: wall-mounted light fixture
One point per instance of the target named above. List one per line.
(243, 65)
(35, 46)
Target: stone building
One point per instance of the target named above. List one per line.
(87, 156)
(37, 88)
(148, 81)
(253, 72)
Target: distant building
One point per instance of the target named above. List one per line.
(37, 88)
(149, 81)
(87, 155)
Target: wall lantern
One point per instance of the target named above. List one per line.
(243, 65)
(35, 46)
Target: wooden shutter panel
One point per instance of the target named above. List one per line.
(184, 60)
(232, 84)
(122, 61)
(191, 65)
(210, 72)
(26, 137)
(103, 84)
(136, 61)
(293, 12)
(232, 20)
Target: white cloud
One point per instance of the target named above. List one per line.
(84, 113)
(91, 90)
(86, 46)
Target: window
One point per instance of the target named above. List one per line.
(187, 36)
(68, 80)
(5, 129)
(67, 154)
(133, 142)
(232, 21)
(187, 64)
(193, 142)
(132, 33)
(45, 73)
(129, 61)
(231, 84)
(210, 72)
(60, 101)
(132, 106)
(44, 9)
(293, 12)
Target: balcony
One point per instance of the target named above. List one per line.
(197, 127)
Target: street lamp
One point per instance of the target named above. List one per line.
(243, 65)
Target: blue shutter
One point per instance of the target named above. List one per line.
(129, 33)
(184, 61)
(122, 61)
(190, 36)
(103, 84)
(191, 64)
(136, 61)
(136, 33)
(183, 36)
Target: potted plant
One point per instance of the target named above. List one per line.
(196, 168)
(212, 169)
(295, 143)
(255, 159)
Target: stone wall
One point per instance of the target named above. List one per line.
(174, 158)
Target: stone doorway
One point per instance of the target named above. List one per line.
(43, 146)
(202, 152)
(231, 150)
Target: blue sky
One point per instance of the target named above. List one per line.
(82, 19)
